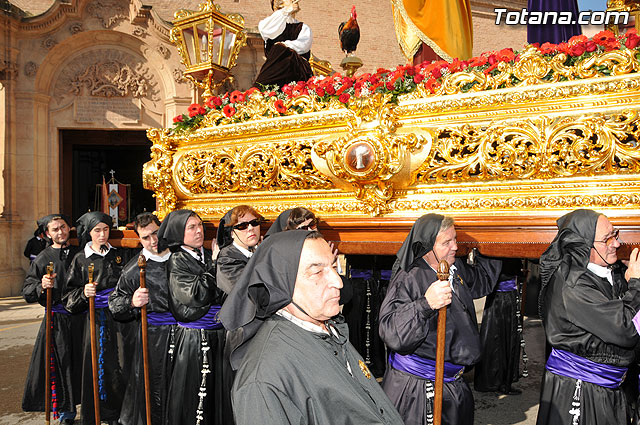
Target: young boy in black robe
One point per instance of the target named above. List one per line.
(125, 304)
(291, 349)
(590, 317)
(93, 233)
(409, 316)
(200, 381)
(66, 328)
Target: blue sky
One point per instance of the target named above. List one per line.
(592, 4)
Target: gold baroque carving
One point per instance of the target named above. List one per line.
(156, 174)
(276, 166)
(540, 148)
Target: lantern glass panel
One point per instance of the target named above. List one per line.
(216, 37)
(229, 41)
(187, 34)
(203, 42)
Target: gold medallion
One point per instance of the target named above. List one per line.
(118, 259)
(364, 369)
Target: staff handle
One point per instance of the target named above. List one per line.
(443, 274)
(94, 350)
(142, 265)
(47, 351)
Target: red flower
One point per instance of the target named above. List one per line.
(548, 48)
(578, 39)
(578, 49)
(491, 68)
(418, 78)
(250, 91)
(344, 97)
(178, 118)
(604, 38)
(347, 82)
(374, 79)
(229, 110)
(411, 71)
(272, 93)
(632, 40)
(236, 96)
(506, 55)
(563, 48)
(390, 85)
(431, 85)
(195, 109)
(330, 90)
(436, 73)
(320, 91)
(214, 102)
(591, 46)
(279, 105)
(478, 61)
(287, 90)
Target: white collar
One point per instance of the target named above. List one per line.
(601, 271)
(307, 326)
(191, 251)
(157, 258)
(244, 251)
(88, 252)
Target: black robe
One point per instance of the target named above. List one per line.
(65, 336)
(192, 291)
(34, 247)
(409, 326)
(283, 65)
(133, 410)
(294, 376)
(229, 265)
(111, 335)
(593, 320)
(501, 336)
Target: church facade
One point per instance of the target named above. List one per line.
(81, 81)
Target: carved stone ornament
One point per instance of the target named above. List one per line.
(76, 28)
(8, 70)
(30, 69)
(49, 43)
(164, 51)
(108, 12)
(139, 32)
(105, 73)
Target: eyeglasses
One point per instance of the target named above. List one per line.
(313, 225)
(244, 226)
(611, 239)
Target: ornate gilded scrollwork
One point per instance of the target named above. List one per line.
(273, 166)
(535, 148)
(370, 156)
(156, 174)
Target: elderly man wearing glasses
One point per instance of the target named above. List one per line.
(590, 316)
(245, 232)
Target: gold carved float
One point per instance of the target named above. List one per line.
(514, 147)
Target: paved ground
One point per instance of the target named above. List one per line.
(19, 323)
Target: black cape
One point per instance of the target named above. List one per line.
(114, 338)
(192, 291)
(229, 266)
(584, 314)
(66, 337)
(133, 410)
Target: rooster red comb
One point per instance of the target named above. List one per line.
(353, 12)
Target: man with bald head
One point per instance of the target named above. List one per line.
(590, 316)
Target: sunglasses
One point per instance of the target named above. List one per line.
(244, 226)
(611, 239)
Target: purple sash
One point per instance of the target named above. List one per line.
(507, 286)
(208, 321)
(571, 365)
(385, 274)
(361, 274)
(161, 319)
(58, 308)
(102, 297)
(424, 368)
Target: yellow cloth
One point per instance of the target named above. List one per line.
(443, 25)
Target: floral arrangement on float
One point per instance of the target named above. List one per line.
(604, 54)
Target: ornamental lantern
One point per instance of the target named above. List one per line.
(209, 43)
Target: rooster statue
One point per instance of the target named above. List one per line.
(349, 33)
